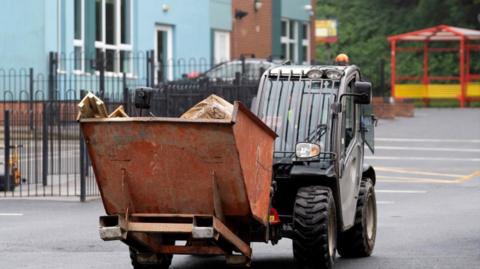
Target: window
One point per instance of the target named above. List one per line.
(79, 32)
(113, 34)
(305, 43)
(349, 120)
(289, 40)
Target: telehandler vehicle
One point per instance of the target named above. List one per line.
(291, 167)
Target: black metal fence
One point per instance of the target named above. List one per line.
(43, 151)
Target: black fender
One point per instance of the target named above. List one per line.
(369, 172)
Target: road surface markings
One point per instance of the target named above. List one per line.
(395, 158)
(427, 140)
(408, 171)
(468, 177)
(427, 149)
(413, 180)
(458, 180)
(11, 214)
(385, 202)
(401, 191)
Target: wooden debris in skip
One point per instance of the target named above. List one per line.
(212, 107)
(118, 113)
(93, 107)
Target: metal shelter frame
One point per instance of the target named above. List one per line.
(467, 39)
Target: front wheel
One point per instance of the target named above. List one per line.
(359, 240)
(315, 228)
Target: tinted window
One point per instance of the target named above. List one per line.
(294, 109)
(349, 122)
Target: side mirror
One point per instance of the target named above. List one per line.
(363, 92)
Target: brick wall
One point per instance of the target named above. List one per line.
(252, 33)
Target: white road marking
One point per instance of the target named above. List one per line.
(413, 172)
(396, 158)
(11, 214)
(427, 140)
(385, 202)
(401, 191)
(414, 180)
(427, 149)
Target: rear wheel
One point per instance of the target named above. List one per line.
(359, 240)
(315, 228)
(150, 261)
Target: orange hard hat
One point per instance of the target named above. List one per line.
(342, 58)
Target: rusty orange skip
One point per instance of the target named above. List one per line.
(177, 167)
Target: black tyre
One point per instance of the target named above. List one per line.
(315, 228)
(359, 240)
(162, 261)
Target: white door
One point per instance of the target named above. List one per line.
(221, 46)
(163, 53)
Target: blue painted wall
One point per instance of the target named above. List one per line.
(220, 14)
(190, 22)
(30, 29)
(22, 34)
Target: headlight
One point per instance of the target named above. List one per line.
(307, 150)
(315, 74)
(334, 74)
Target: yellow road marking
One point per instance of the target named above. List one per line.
(468, 177)
(458, 180)
(405, 171)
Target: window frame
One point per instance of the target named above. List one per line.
(306, 42)
(118, 47)
(354, 115)
(79, 43)
(288, 42)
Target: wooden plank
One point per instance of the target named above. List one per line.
(91, 107)
(119, 112)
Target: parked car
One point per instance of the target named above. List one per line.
(250, 69)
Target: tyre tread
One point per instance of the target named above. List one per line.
(354, 242)
(310, 244)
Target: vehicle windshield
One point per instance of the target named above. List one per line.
(297, 110)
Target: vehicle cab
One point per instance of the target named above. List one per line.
(323, 119)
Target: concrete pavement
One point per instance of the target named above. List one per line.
(428, 194)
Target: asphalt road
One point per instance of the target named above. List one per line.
(428, 195)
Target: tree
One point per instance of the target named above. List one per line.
(364, 25)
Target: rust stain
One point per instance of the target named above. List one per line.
(166, 166)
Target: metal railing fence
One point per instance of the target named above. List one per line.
(43, 151)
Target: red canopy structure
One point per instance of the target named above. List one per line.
(464, 91)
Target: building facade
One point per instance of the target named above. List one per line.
(122, 29)
(177, 33)
(279, 29)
